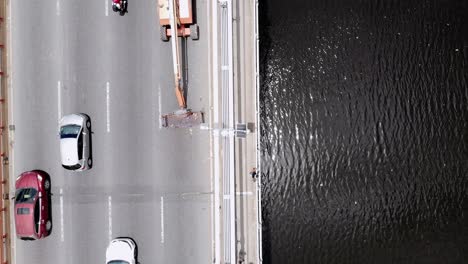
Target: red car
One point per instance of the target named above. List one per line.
(33, 205)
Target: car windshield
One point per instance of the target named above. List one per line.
(72, 167)
(117, 262)
(25, 195)
(69, 131)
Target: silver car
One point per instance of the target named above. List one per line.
(75, 142)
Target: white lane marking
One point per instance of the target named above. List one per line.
(160, 106)
(216, 226)
(108, 106)
(57, 7)
(195, 194)
(62, 232)
(11, 99)
(244, 193)
(154, 111)
(110, 217)
(59, 99)
(106, 4)
(90, 196)
(162, 220)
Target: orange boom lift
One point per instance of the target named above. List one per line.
(175, 18)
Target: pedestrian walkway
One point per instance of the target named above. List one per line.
(237, 186)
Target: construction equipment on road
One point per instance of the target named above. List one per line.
(176, 20)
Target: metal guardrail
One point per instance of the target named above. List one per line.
(5, 256)
(215, 142)
(259, 164)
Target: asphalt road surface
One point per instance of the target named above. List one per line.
(149, 183)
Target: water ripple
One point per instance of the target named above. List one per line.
(364, 131)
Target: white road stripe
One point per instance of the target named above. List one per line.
(57, 7)
(106, 4)
(11, 117)
(131, 195)
(59, 99)
(108, 106)
(160, 106)
(162, 220)
(215, 139)
(110, 217)
(62, 232)
(195, 194)
(244, 193)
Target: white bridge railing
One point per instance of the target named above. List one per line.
(227, 121)
(259, 165)
(225, 130)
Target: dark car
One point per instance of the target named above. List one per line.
(32, 205)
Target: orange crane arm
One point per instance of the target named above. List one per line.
(174, 20)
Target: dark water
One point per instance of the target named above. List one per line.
(365, 131)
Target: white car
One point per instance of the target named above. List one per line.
(122, 250)
(75, 142)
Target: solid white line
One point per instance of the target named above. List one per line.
(57, 7)
(216, 147)
(210, 124)
(62, 232)
(195, 193)
(160, 106)
(110, 217)
(59, 99)
(122, 195)
(162, 220)
(11, 117)
(244, 193)
(231, 168)
(106, 7)
(108, 106)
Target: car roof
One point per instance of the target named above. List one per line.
(69, 151)
(24, 223)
